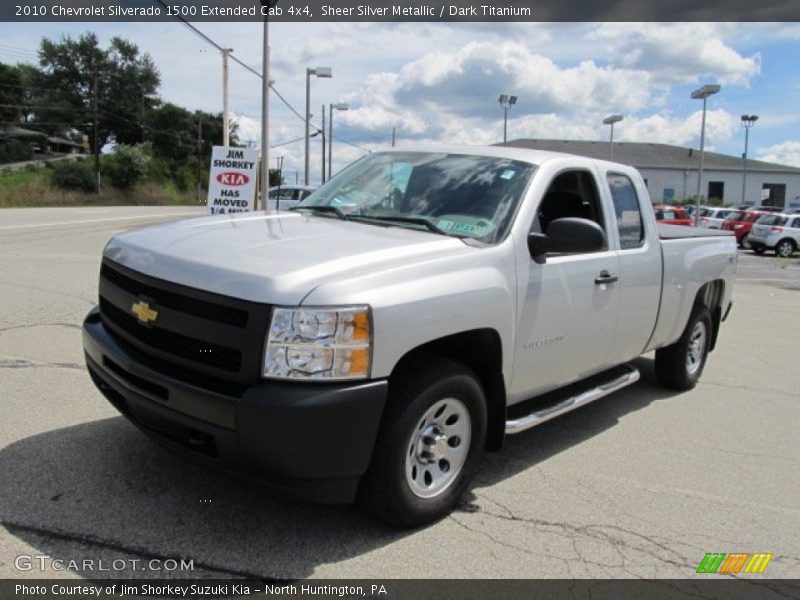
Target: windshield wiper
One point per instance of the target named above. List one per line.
(413, 220)
(323, 208)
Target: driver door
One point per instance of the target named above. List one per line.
(571, 303)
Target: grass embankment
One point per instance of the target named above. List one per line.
(31, 188)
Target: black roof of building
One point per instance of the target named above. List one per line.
(643, 155)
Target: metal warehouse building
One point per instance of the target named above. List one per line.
(671, 172)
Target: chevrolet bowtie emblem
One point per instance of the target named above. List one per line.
(144, 313)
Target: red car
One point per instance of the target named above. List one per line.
(740, 223)
(672, 215)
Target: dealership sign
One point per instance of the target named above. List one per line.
(232, 181)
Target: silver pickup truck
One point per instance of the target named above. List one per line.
(371, 343)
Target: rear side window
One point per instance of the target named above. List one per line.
(627, 211)
(772, 220)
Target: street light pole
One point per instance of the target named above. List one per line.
(339, 106)
(702, 93)
(319, 72)
(610, 120)
(323, 143)
(506, 102)
(747, 122)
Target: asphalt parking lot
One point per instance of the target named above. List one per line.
(639, 484)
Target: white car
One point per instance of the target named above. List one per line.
(780, 233)
(285, 197)
(712, 217)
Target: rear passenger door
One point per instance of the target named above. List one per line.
(639, 251)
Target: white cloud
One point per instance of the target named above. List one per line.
(668, 129)
(785, 153)
(678, 52)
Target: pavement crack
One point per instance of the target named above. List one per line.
(29, 325)
(611, 534)
(19, 363)
(752, 454)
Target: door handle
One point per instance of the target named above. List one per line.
(605, 277)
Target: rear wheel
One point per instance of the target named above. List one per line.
(679, 365)
(784, 248)
(431, 437)
(745, 243)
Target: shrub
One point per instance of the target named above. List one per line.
(127, 165)
(15, 151)
(73, 175)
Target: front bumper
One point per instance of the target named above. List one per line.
(308, 440)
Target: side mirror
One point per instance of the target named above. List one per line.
(567, 235)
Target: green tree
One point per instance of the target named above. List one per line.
(124, 80)
(12, 94)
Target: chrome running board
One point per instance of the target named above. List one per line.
(535, 418)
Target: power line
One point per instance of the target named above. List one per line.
(300, 139)
(236, 59)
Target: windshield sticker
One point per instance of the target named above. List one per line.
(478, 229)
(508, 174)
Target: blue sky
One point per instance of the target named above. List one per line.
(439, 82)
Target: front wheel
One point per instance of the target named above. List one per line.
(745, 243)
(432, 434)
(784, 248)
(679, 365)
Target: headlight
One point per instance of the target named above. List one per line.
(318, 343)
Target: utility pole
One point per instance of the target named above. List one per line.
(393, 136)
(144, 136)
(323, 144)
(96, 135)
(265, 83)
(225, 119)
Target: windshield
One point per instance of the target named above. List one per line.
(737, 216)
(449, 194)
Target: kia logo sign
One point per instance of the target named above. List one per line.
(233, 178)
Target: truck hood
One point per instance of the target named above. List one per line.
(272, 257)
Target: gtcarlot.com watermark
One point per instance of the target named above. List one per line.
(44, 562)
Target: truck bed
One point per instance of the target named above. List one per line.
(677, 232)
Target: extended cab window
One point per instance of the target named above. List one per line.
(570, 194)
(628, 213)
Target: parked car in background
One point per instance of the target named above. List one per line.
(740, 223)
(777, 232)
(672, 215)
(712, 217)
(285, 197)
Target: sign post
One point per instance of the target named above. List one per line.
(232, 180)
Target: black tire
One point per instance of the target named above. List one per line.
(674, 369)
(784, 248)
(416, 388)
(758, 250)
(745, 243)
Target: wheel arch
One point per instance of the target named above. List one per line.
(710, 295)
(786, 239)
(480, 350)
